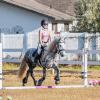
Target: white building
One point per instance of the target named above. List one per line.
(23, 16)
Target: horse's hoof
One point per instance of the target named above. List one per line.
(36, 83)
(23, 85)
(57, 82)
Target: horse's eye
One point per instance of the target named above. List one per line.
(59, 45)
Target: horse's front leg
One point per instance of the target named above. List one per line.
(57, 72)
(24, 81)
(40, 81)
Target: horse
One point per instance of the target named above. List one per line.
(46, 60)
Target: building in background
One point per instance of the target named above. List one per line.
(64, 6)
(23, 16)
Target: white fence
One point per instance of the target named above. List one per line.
(84, 72)
(15, 45)
(23, 46)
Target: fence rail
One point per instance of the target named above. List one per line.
(13, 44)
(83, 63)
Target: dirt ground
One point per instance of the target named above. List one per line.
(70, 77)
(67, 78)
(52, 94)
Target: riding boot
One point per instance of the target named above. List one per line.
(34, 59)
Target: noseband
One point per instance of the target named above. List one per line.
(58, 48)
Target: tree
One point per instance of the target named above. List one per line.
(88, 15)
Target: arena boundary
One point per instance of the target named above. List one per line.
(44, 87)
(84, 73)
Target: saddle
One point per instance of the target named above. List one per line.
(35, 56)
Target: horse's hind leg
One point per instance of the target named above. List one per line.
(32, 74)
(24, 81)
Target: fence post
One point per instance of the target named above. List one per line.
(85, 67)
(25, 42)
(85, 63)
(0, 65)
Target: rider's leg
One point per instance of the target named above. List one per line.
(43, 48)
(36, 54)
(34, 57)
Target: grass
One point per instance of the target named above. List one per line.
(69, 75)
(9, 66)
(94, 68)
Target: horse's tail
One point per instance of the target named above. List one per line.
(23, 69)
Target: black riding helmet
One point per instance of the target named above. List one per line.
(44, 22)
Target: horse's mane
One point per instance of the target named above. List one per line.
(52, 45)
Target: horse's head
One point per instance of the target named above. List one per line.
(61, 46)
(58, 46)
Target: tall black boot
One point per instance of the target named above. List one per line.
(34, 58)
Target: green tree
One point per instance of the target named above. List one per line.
(88, 15)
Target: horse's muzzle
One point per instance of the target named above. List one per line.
(62, 53)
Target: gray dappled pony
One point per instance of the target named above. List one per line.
(46, 60)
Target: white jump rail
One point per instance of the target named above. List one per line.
(43, 87)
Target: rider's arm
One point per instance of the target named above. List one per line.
(50, 34)
(49, 38)
(40, 37)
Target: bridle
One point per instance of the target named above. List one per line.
(59, 47)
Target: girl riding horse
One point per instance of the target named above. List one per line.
(46, 60)
(44, 39)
